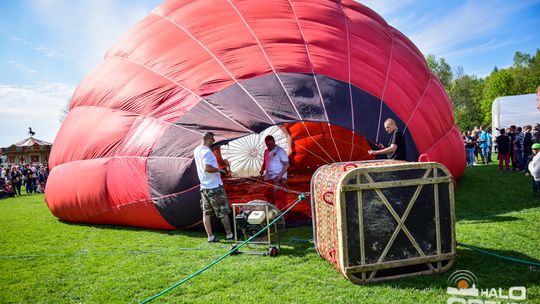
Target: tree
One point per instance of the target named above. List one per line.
(498, 83)
(526, 72)
(466, 93)
(64, 112)
(441, 69)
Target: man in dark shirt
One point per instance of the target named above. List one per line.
(396, 145)
(503, 141)
(512, 135)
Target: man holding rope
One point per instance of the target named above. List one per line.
(396, 146)
(213, 197)
(274, 169)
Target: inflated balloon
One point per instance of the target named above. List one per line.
(327, 72)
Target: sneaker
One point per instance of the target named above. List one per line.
(212, 239)
(230, 237)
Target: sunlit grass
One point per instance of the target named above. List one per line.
(43, 260)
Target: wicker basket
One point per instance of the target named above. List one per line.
(379, 220)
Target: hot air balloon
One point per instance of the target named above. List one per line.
(326, 73)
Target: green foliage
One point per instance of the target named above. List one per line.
(472, 97)
(44, 260)
(466, 94)
(441, 69)
(500, 83)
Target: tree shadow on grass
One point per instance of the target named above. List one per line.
(490, 271)
(188, 232)
(487, 219)
(484, 192)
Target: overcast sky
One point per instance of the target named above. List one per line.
(48, 46)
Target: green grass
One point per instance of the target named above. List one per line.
(43, 260)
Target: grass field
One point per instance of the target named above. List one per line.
(43, 260)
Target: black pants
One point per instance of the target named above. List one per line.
(17, 188)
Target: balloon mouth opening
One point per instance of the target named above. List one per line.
(309, 146)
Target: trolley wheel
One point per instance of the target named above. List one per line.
(273, 251)
(234, 250)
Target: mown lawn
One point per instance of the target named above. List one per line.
(43, 260)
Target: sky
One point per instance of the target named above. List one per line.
(48, 46)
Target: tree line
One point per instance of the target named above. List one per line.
(472, 96)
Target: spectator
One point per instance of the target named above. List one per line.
(469, 148)
(511, 132)
(504, 150)
(533, 168)
(519, 148)
(16, 179)
(474, 135)
(489, 160)
(34, 177)
(536, 133)
(28, 177)
(6, 190)
(485, 145)
(527, 145)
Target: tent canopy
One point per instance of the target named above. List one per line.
(516, 110)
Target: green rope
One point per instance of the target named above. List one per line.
(502, 257)
(300, 198)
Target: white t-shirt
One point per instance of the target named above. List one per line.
(204, 156)
(534, 167)
(275, 161)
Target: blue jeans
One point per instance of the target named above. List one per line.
(520, 159)
(486, 152)
(470, 156)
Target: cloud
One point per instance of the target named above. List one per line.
(49, 52)
(21, 67)
(387, 8)
(491, 45)
(37, 106)
(87, 28)
(44, 50)
(471, 21)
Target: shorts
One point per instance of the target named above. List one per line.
(214, 201)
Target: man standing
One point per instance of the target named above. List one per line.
(396, 145)
(512, 136)
(274, 168)
(520, 137)
(213, 197)
(485, 145)
(533, 168)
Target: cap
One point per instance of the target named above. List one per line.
(208, 135)
(536, 146)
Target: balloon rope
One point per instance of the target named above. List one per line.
(300, 198)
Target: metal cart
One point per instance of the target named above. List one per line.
(251, 217)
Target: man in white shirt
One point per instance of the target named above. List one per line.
(533, 167)
(213, 197)
(274, 169)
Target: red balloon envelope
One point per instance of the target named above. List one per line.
(328, 72)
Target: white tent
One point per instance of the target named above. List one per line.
(516, 110)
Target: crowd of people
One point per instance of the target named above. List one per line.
(13, 177)
(516, 148)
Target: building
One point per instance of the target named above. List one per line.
(29, 150)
